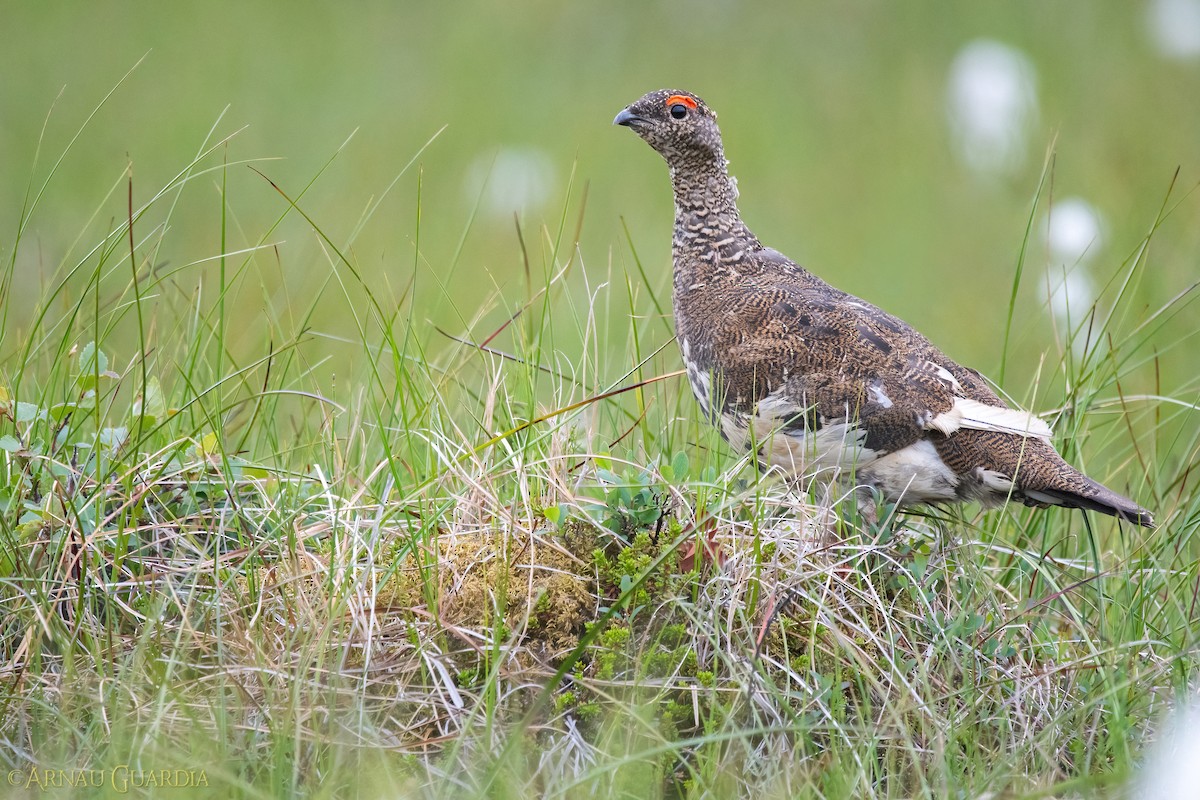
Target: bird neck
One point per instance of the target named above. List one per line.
(706, 209)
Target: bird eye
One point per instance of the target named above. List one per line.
(678, 111)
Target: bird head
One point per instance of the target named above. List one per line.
(678, 125)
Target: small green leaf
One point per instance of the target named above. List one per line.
(608, 476)
(112, 438)
(679, 465)
(208, 445)
(60, 410)
(92, 360)
(554, 514)
(9, 444)
(28, 412)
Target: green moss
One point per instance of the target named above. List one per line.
(564, 701)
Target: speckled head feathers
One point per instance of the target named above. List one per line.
(676, 123)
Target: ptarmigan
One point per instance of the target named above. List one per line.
(818, 380)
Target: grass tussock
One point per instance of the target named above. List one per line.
(379, 560)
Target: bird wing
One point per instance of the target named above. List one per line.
(803, 355)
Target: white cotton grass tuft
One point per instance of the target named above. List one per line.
(1074, 234)
(515, 180)
(1174, 27)
(1172, 767)
(1074, 231)
(991, 106)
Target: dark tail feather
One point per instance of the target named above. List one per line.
(1098, 498)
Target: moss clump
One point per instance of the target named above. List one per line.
(538, 585)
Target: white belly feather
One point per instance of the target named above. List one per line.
(913, 474)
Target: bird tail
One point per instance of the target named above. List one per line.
(1092, 496)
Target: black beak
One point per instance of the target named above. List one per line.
(626, 117)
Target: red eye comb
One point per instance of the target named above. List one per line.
(682, 99)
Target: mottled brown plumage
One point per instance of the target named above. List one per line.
(818, 380)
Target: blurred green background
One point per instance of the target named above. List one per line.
(835, 116)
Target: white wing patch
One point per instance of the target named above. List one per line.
(879, 395)
(945, 375)
(947, 422)
(976, 416)
(994, 481)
